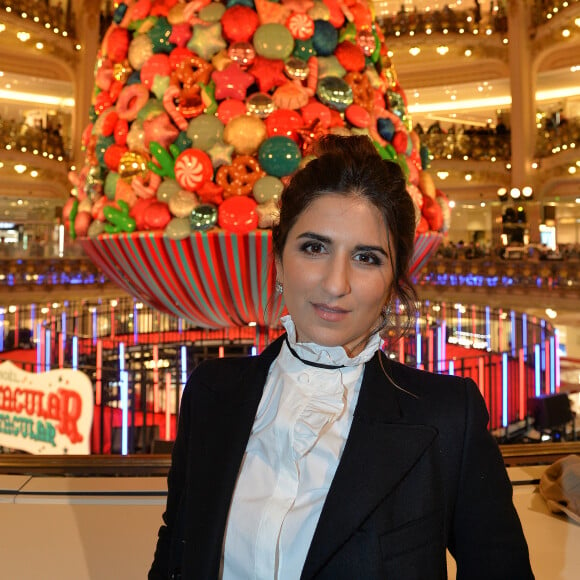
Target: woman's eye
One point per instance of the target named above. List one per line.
(312, 248)
(368, 258)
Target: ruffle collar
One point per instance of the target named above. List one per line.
(329, 355)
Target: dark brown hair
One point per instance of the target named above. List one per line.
(351, 166)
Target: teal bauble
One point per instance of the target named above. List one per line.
(279, 156)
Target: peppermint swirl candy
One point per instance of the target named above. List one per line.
(193, 167)
(301, 26)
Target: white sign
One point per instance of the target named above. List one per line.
(46, 413)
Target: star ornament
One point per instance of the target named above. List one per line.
(310, 133)
(159, 35)
(269, 12)
(161, 130)
(207, 40)
(221, 154)
(299, 6)
(268, 73)
(180, 34)
(232, 82)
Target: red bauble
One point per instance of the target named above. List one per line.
(238, 214)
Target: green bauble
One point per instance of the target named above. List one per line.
(279, 156)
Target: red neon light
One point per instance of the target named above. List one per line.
(99, 384)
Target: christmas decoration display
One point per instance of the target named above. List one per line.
(201, 110)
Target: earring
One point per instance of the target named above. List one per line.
(278, 287)
(385, 314)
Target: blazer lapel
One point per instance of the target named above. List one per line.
(380, 450)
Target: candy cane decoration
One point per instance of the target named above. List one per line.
(347, 13)
(192, 9)
(169, 97)
(312, 80)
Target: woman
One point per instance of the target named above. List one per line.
(322, 458)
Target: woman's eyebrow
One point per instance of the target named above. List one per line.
(313, 236)
(372, 249)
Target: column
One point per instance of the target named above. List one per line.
(523, 91)
(86, 15)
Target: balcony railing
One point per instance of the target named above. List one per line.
(489, 145)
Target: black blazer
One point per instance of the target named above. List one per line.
(420, 473)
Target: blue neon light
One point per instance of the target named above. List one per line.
(75, 352)
(47, 351)
(543, 343)
(538, 368)
(95, 326)
(557, 340)
(488, 325)
(552, 365)
(451, 367)
(135, 323)
(63, 330)
(418, 336)
(124, 400)
(183, 365)
(504, 389)
(32, 318)
(38, 347)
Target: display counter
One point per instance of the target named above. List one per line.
(94, 527)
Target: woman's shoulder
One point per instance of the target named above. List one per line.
(424, 383)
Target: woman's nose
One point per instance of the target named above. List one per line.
(337, 277)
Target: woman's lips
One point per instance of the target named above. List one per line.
(331, 313)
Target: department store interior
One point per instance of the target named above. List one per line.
(492, 96)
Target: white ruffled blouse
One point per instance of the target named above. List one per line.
(297, 439)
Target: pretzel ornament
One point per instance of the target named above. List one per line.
(188, 75)
(239, 177)
(362, 89)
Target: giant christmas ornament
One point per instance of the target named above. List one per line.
(198, 103)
